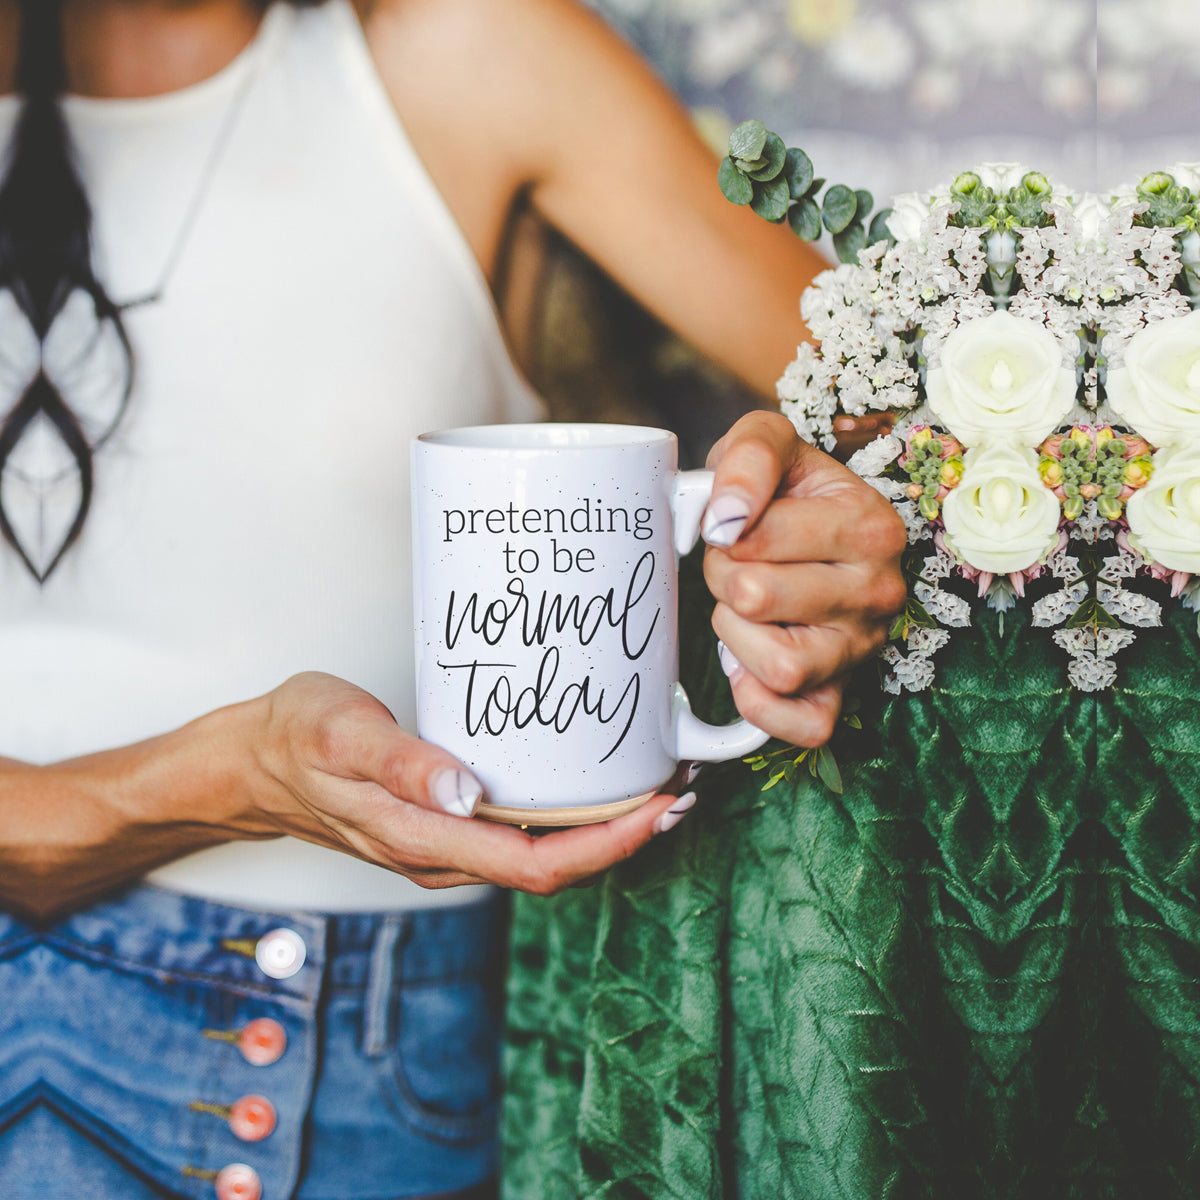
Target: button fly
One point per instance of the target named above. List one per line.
(280, 953)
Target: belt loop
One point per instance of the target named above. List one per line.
(377, 1003)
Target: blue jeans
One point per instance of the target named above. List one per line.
(120, 1063)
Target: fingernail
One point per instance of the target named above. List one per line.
(726, 518)
(675, 814)
(457, 792)
(729, 664)
(689, 776)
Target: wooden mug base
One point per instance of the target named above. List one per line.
(591, 814)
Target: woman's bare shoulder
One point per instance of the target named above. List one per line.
(517, 74)
(493, 93)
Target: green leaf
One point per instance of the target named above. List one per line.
(866, 202)
(879, 230)
(773, 156)
(735, 187)
(766, 787)
(798, 171)
(915, 613)
(771, 200)
(746, 165)
(1091, 614)
(850, 241)
(748, 139)
(855, 722)
(814, 187)
(827, 770)
(838, 208)
(805, 220)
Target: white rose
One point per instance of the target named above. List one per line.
(1157, 391)
(1001, 378)
(908, 214)
(1164, 516)
(1001, 518)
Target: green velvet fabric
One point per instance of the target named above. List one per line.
(974, 974)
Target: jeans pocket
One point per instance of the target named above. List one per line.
(443, 1071)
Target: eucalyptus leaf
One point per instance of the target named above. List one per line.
(798, 171)
(879, 230)
(748, 139)
(850, 241)
(866, 202)
(771, 200)
(773, 156)
(838, 208)
(805, 220)
(735, 187)
(746, 166)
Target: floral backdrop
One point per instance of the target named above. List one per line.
(896, 94)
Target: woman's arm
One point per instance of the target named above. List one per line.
(540, 99)
(316, 758)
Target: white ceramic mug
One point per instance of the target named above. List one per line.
(546, 599)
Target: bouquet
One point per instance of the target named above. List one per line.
(1038, 349)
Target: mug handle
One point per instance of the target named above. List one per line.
(696, 740)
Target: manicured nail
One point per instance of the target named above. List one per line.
(726, 518)
(457, 792)
(729, 664)
(689, 776)
(675, 814)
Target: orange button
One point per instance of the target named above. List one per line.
(238, 1182)
(262, 1042)
(252, 1118)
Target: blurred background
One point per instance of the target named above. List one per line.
(891, 95)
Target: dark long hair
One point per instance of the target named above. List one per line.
(45, 256)
(46, 259)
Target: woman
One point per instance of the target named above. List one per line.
(299, 229)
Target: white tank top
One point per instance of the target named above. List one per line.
(251, 513)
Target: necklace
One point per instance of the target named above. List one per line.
(208, 171)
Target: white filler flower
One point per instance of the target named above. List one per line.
(1164, 516)
(1001, 379)
(1001, 518)
(1157, 391)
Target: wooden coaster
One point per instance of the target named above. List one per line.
(591, 814)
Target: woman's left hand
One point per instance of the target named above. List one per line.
(804, 561)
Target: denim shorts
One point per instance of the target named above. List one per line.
(126, 1071)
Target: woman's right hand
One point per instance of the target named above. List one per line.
(326, 762)
(316, 758)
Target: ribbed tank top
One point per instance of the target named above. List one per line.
(251, 509)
